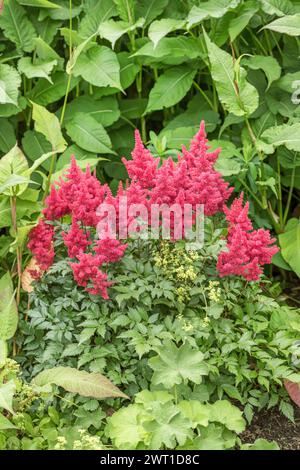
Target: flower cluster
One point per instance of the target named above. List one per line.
(247, 249)
(41, 244)
(78, 195)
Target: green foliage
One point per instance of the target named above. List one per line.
(152, 65)
(213, 338)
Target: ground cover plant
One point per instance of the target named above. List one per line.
(133, 342)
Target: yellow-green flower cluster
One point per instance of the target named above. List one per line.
(214, 291)
(177, 264)
(186, 325)
(85, 442)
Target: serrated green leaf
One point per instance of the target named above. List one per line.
(196, 412)
(124, 428)
(176, 365)
(79, 381)
(222, 411)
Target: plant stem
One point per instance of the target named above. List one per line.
(289, 199)
(261, 158)
(13, 206)
(280, 211)
(204, 95)
(251, 192)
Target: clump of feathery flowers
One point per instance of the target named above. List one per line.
(192, 180)
(247, 249)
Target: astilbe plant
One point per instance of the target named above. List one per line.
(191, 180)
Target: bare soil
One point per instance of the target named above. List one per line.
(273, 426)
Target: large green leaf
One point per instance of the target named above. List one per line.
(289, 24)
(269, 65)
(287, 135)
(237, 95)
(196, 412)
(39, 3)
(8, 308)
(105, 111)
(277, 7)
(35, 145)
(222, 411)
(7, 391)
(245, 13)
(48, 124)
(150, 9)
(210, 9)
(290, 244)
(12, 165)
(170, 88)
(3, 352)
(99, 66)
(40, 69)
(89, 134)
(5, 423)
(10, 82)
(126, 10)
(17, 26)
(112, 30)
(176, 47)
(160, 28)
(102, 11)
(124, 427)
(7, 135)
(79, 381)
(177, 365)
(45, 93)
(167, 427)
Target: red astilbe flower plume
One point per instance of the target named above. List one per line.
(41, 244)
(143, 166)
(109, 250)
(87, 272)
(247, 250)
(76, 240)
